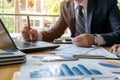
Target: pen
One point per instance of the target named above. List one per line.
(28, 21)
(89, 56)
(94, 57)
(30, 37)
(116, 72)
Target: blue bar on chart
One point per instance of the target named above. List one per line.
(61, 73)
(95, 72)
(67, 70)
(84, 70)
(76, 71)
(40, 73)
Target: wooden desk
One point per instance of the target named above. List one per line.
(7, 72)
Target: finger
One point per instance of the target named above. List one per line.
(26, 35)
(84, 40)
(118, 49)
(79, 42)
(76, 40)
(114, 48)
(34, 34)
(119, 54)
(26, 38)
(111, 49)
(25, 31)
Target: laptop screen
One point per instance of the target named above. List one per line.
(6, 42)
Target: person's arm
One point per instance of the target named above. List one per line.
(110, 38)
(49, 35)
(55, 32)
(59, 28)
(114, 20)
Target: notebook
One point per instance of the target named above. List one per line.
(22, 45)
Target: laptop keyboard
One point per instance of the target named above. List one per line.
(44, 44)
(24, 44)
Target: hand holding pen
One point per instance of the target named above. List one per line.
(115, 49)
(28, 33)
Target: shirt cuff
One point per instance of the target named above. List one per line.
(100, 39)
(39, 36)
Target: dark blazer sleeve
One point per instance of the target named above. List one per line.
(58, 29)
(113, 37)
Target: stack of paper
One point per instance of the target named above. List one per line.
(11, 57)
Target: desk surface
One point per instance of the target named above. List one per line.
(7, 72)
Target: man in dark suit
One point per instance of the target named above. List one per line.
(101, 23)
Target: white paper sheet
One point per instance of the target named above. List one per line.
(70, 50)
(34, 64)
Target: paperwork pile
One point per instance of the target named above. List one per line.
(11, 57)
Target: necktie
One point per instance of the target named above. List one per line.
(80, 25)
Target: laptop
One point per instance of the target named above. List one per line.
(6, 42)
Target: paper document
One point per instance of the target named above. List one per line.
(71, 50)
(83, 69)
(100, 51)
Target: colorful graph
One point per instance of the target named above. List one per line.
(110, 64)
(63, 70)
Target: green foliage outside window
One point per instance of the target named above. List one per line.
(53, 6)
(119, 5)
(8, 20)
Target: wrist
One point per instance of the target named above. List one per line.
(95, 40)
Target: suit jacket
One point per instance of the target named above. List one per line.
(103, 17)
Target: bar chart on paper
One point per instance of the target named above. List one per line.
(62, 71)
(69, 70)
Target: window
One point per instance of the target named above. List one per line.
(14, 12)
(37, 22)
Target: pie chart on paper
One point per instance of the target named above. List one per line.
(110, 64)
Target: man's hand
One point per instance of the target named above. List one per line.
(115, 49)
(29, 34)
(84, 40)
